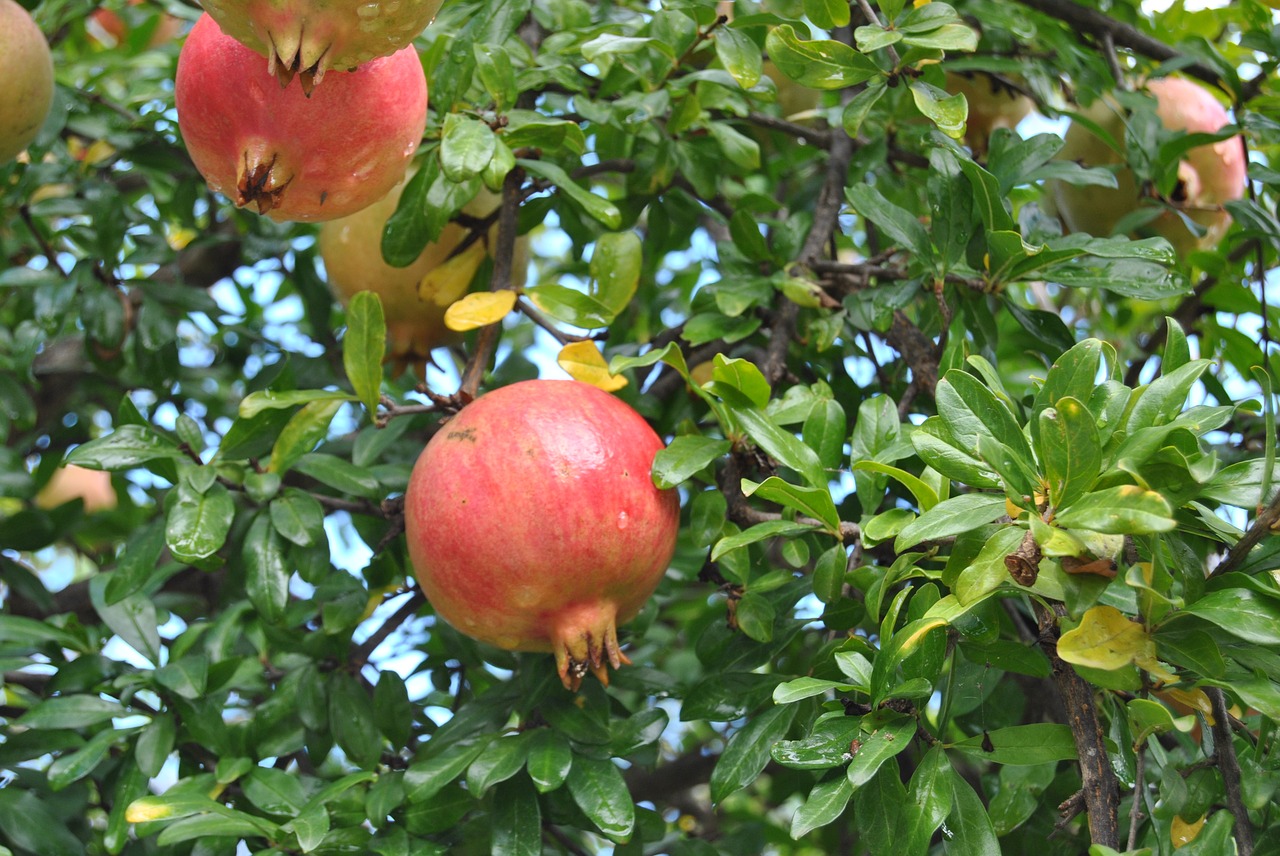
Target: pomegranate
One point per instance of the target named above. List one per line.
(73, 482)
(107, 27)
(414, 298)
(309, 37)
(533, 524)
(293, 157)
(991, 105)
(26, 67)
(1208, 175)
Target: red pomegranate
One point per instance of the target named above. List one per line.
(533, 524)
(291, 156)
(308, 37)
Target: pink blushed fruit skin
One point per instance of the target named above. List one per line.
(1209, 175)
(73, 482)
(533, 524)
(292, 156)
(26, 69)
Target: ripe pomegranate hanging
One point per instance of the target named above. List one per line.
(290, 156)
(26, 67)
(1208, 175)
(309, 37)
(533, 524)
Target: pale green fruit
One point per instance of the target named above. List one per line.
(26, 67)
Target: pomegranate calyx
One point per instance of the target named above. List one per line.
(585, 639)
(259, 184)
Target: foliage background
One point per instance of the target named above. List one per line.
(861, 341)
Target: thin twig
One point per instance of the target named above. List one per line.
(360, 654)
(1260, 528)
(1224, 750)
(504, 252)
(1135, 811)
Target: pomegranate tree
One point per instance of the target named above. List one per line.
(1208, 176)
(309, 37)
(290, 156)
(26, 69)
(533, 524)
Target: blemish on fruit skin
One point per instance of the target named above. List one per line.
(468, 434)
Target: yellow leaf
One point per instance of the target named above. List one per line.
(147, 809)
(479, 310)
(98, 151)
(1183, 832)
(584, 362)
(446, 282)
(1106, 639)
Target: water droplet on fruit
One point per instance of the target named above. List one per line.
(624, 520)
(367, 11)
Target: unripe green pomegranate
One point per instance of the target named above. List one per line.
(1208, 176)
(533, 523)
(291, 156)
(309, 37)
(26, 69)
(991, 105)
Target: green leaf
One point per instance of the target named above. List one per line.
(363, 347)
(71, 711)
(298, 516)
(517, 820)
(825, 804)
(1241, 612)
(466, 145)
(811, 501)
(747, 753)
(937, 447)
(128, 446)
(686, 455)
(499, 761)
(425, 779)
(929, 797)
(783, 446)
(598, 789)
(29, 822)
(886, 740)
(311, 825)
(818, 63)
(859, 107)
(197, 524)
(1071, 450)
(1121, 510)
(755, 616)
(1022, 745)
(257, 402)
(342, 475)
(825, 430)
(615, 268)
(759, 532)
(743, 376)
(308, 427)
(155, 742)
(351, 721)
(74, 766)
(133, 618)
(951, 517)
(806, 687)
(899, 225)
(974, 416)
(987, 571)
(946, 111)
(597, 207)
(393, 712)
(972, 832)
(739, 55)
(549, 760)
(267, 570)
(274, 791)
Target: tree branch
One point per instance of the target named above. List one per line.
(1224, 749)
(1101, 792)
